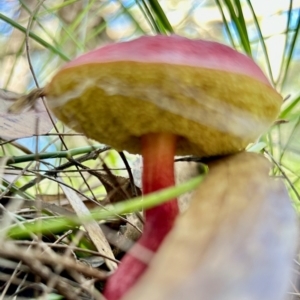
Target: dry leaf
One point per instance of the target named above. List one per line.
(92, 227)
(22, 124)
(118, 188)
(236, 241)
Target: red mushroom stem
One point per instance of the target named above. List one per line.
(158, 150)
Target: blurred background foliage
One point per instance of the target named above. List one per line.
(49, 33)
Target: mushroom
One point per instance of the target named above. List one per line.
(161, 96)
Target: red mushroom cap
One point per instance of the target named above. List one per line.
(215, 99)
(175, 50)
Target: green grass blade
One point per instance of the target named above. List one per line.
(48, 155)
(288, 108)
(283, 60)
(262, 41)
(161, 16)
(241, 19)
(242, 32)
(40, 24)
(291, 50)
(226, 24)
(15, 190)
(55, 225)
(126, 10)
(34, 37)
(149, 16)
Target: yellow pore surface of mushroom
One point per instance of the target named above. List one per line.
(213, 112)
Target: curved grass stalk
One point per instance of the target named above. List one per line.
(58, 224)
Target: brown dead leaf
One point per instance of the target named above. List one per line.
(23, 123)
(118, 188)
(92, 227)
(236, 240)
